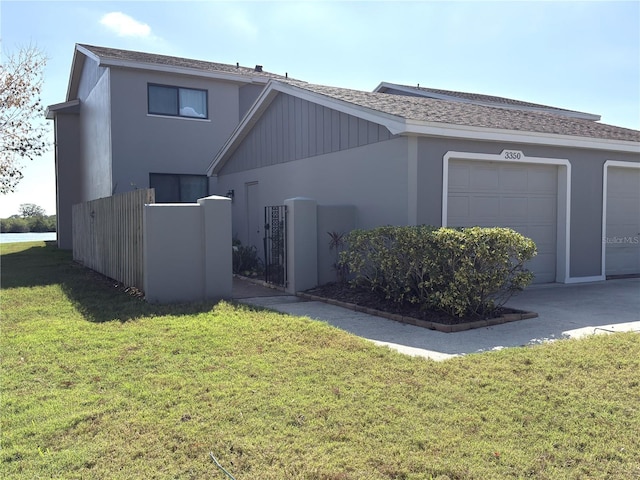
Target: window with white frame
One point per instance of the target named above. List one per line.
(177, 101)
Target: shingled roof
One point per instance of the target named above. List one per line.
(480, 99)
(166, 60)
(424, 109)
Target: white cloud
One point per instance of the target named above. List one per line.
(125, 26)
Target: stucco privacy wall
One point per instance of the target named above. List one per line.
(373, 177)
(187, 251)
(310, 261)
(586, 190)
(339, 219)
(144, 143)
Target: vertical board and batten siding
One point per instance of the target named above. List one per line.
(108, 235)
(292, 129)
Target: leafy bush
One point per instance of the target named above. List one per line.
(245, 259)
(462, 272)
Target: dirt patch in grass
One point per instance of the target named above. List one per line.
(367, 301)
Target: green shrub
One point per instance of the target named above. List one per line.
(462, 272)
(246, 260)
(14, 225)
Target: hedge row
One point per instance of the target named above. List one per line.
(31, 224)
(467, 272)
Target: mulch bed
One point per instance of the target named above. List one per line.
(359, 299)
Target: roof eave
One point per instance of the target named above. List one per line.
(72, 106)
(195, 72)
(79, 55)
(518, 136)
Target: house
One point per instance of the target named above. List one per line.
(399, 155)
(136, 120)
(410, 156)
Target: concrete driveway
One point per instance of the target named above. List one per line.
(563, 311)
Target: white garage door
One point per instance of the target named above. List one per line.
(622, 242)
(519, 196)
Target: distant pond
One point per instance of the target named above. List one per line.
(27, 237)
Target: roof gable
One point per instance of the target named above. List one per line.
(436, 117)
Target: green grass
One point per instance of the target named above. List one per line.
(97, 384)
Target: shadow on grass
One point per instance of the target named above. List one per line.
(32, 264)
(96, 297)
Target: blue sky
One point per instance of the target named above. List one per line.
(577, 55)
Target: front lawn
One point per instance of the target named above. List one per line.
(96, 384)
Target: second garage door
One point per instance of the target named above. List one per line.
(519, 196)
(622, 240)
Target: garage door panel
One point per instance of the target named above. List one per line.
(543, 267)
(513, 180)
(622, 212)
(484, 207)
(460, 204)
(622, 239)
(621, 230)
(543, 180)
(544, 236)
(459, 177)
(542, 208)
(513, 208)
(484, 179)
(519, 196)
(625, 183)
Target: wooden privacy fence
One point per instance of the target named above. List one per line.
(108, 235)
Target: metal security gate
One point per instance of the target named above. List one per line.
(275, 245)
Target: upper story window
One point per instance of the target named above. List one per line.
(177, 101)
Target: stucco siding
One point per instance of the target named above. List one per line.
(144, 143)
(372, 177)
(292, 129)
(68, 175)
(91, 74)
(95, 141)
(247, 96)
(586, 190)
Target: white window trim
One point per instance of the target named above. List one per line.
(605, 178)
(563, 209)
(174, 117)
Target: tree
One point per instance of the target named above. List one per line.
(22, 129)
(28, 210)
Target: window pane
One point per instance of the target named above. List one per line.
(193, 187)
(193, 103)
(163, 100)
(167, 187)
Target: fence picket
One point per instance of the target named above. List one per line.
(108, 235)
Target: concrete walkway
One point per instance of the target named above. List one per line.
(563, 311)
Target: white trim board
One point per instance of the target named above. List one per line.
(605, 178)
(563, 230)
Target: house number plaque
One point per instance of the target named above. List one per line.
(512, 155)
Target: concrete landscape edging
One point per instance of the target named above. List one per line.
(441, 327)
